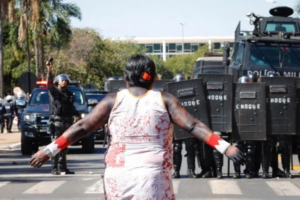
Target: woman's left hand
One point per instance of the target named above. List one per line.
(38, 159)
(236, 155)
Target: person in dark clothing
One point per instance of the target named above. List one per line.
(62, 111)
(2, 111)
(190, 144)
(20, 107)
(9, 112)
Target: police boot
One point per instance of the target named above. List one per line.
(191, 162)
(192, 174)
(266, 160)
(177, 165)
(63, 163)
(237, 170)
(55, 169)
(218, 158)
(286, 162)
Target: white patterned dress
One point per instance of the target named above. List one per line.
(139, 157)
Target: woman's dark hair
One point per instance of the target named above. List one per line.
(140, 71)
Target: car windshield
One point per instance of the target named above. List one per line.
(41, 96)
(270, 55)
(97, 97)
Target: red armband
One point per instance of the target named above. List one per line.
(61, 142)
(218, 143)
(58, 145)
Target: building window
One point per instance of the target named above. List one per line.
(201, 44)
(157, 48)
(149, 49)
(187, 47)
(195, 47)
(179, 48)
(167, 48)
(217, 45)
(172, 48)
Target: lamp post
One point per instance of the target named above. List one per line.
(182, 25)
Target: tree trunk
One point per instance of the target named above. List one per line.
(27, 46)
(1, 58)
(42, 56)
(37, 56)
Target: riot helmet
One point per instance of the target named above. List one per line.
(274, 74)
(8, 98)
(245, 79)
(20, 95)
(179, 77)
(106, 84)
(253, 77)
(62, 77)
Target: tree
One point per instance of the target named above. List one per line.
(185, 63)
(3, 12)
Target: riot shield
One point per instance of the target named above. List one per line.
(281, 105)
(249, 119)
(161, 85)
(298, 106)
(190, 94)
(116, 85)
(218, 92)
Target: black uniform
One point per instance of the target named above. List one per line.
(189, 147)
(20, 107)
(61, 112)
(177, 157)
(9, 114)
(2, 111)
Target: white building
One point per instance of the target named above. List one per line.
(166, 47)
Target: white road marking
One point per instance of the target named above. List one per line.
(44, 187)
(3, 183)
(175, 185)
(284, 188)
(97, 188)
(225, 187)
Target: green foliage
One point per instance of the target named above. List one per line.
(185, 63)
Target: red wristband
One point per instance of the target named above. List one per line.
(61, 142)
(213, 140)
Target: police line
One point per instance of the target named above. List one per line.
(249, 111)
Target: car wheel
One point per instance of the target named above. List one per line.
(26, 147)
(88, 144)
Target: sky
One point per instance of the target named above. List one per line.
(163, 18)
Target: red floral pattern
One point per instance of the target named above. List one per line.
(139, 159)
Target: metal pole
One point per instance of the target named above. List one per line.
(182, 24)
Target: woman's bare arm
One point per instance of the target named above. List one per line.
(187, 122)
(94, 120)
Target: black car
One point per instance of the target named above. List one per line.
(35, 120)
(94, 96)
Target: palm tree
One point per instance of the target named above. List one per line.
(3, 12)
(55, 23)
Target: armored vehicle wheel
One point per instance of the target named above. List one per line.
(88, 144)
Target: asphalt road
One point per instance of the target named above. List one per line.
(19, 181)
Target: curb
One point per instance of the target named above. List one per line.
(11, 147)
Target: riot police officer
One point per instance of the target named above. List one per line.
(2, 110)
(9, 112)
(20, 106)
(250, 148)
(61, 112)
(189, 146)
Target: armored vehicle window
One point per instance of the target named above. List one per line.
(280, 27)
(39, 97)
(269, 55)
(238, 54)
